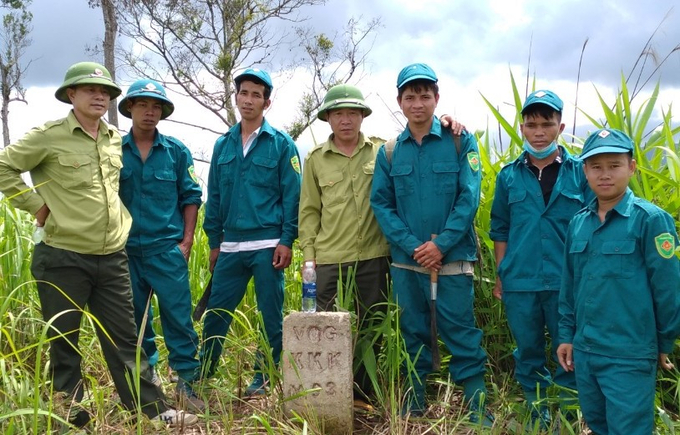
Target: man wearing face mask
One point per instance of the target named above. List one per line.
(536, 197)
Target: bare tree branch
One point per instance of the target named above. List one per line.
(14, 39)
(330, 65)
(195, 46)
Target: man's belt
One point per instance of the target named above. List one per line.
(454, 268)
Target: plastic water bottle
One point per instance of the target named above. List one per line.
(309, 288)
(38, 234)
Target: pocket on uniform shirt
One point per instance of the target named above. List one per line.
(114, 172)
(568, 203)
(75, 171)
(226, 167)
(125, 183)
(403, 182)
(519, 211)
(166, 183)
(264, 172)
(618, 259)
(445, 176)
(332, 192)
(577, 250)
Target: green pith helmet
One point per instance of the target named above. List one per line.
(146, 88)
(87, 73)
(343, 97)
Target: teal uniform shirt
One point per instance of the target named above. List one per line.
(428, 189)
(255, 197)
(155, 192)
(535, 232)
(620, 294)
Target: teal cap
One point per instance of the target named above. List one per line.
(259, 74)
(415, 71)
(146, 88)
(549, 98)
(606, 140)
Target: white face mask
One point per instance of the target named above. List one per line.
(540, 154)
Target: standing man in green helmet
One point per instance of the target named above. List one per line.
(251, 220)
(75, 165)
(338, 230)
(159, 187)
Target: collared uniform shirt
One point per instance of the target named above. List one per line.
(337, 224)
(256, 196)
(155, 192)
(535, 231)
(620, 296)
(77, 176)
(428, 189)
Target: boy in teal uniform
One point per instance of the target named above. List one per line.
(251, 220)
(620, 298)
(159, 188)
(535, 197)
(426, 186)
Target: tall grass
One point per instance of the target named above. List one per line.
(25, 397)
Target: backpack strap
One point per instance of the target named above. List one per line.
(389, 149)
(456, 141)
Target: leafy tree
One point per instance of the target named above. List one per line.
(14, 39)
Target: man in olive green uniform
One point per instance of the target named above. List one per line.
(337, 228)
(75, 164)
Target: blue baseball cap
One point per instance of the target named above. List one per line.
(259, 74)
(415, 71)
(146, 88)
(549, 98)
(606, 140)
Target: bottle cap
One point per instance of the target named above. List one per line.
(309, 264)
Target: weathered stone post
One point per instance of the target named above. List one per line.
(317, 369)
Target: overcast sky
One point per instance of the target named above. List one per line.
(472, 45)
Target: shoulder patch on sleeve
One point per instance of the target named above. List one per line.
(665, 245)
(295, 163)
(473, 160)
(192, 173)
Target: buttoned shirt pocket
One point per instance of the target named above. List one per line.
(165, 183)
(264, 172)
(75, 171)
(445, 176)
(519, 210)
(126, 184)
(618, 260)
(579, 255)
(114, 172)
(403, 182)
(568, 203)
(227, 167)
(332, 191)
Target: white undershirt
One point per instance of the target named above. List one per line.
(249, 141)
(248, 246)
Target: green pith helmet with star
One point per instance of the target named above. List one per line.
(343, 97)
(146, 88)
(86, 73)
